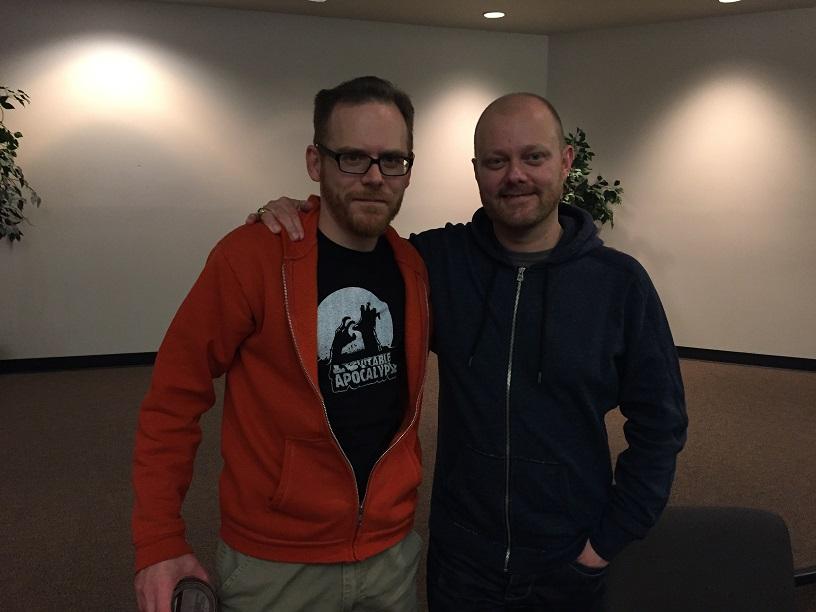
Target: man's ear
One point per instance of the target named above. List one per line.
(313, 163)
(567, 157)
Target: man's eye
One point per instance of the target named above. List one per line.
(494, 163)
(392, 161)
(353, 158)
(535, 157)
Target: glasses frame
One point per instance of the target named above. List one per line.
(409, 161)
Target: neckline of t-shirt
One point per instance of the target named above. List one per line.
(380, 248)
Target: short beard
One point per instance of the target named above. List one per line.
(503, 215)
(359, 224)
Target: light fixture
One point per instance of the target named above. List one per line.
(728, 1)
(493, 15)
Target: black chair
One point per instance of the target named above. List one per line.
(706, 559)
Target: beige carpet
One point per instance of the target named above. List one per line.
(66, 439)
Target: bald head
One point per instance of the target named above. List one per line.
(520, 164)
(512, 105)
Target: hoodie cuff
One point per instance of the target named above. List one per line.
(609, 539)
(169, 548)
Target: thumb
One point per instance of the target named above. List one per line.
(198, 571)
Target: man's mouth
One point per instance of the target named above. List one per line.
(514, 196)
(362, 199)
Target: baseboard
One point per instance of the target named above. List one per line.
(754, 359)
(805, 576)
(50, 364)
(47, 364)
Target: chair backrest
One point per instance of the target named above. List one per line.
(706, 559)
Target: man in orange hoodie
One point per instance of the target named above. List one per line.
(324, 344)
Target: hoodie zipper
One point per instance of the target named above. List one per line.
(322, 403)
(416, 407)
(326, 413)
(519, 281)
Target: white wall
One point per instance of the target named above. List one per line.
(711, 126)
(155, 128)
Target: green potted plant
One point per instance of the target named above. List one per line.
(15, 192)
(597, 197)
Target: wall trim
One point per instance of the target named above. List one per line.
(48, 364)
(754, 359)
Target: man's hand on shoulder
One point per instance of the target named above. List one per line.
(282, 213)
(155, 583)
(589, 558)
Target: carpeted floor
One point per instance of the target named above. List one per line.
(66, 441)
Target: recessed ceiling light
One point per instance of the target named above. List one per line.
(493, 15)
(317, 0)
(728, 1)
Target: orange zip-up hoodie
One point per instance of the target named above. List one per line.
(287, 491)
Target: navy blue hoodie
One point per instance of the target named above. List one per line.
(530, 361)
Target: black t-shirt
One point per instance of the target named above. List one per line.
(361, 349)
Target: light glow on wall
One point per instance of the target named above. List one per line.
(148, 93)
(722, 137)
(114, 76)
(125, 80)
(448, 118)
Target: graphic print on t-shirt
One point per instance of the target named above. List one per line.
(355, 334)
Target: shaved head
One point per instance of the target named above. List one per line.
(513, 103)
(520, 163)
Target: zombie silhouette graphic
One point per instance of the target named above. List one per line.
(368, 316)
(342, 338)
(355, 338)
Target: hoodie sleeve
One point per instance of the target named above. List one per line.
(199, 345)
(653, 403)
(427, 245)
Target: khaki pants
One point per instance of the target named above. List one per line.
(383, 583)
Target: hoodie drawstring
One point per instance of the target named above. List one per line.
(542, 341)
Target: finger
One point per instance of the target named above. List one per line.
(197, 570)
(286, 203)
(164, 598)
(144, 595)
(150, 602)
(154, 600)
(292, 226)
(251, 218)
(272, 223)
(286, 214)
(201, 573)
(141, 601)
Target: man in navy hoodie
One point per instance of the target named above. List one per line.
(540, 331)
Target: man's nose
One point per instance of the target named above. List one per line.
(373, 175)
(516, 172)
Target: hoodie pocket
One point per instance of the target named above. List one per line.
(313, 493)
(541, 505)
(475, 492)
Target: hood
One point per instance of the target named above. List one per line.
(579, 238)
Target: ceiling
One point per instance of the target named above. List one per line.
(523, 16)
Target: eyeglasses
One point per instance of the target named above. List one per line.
(360, 163)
